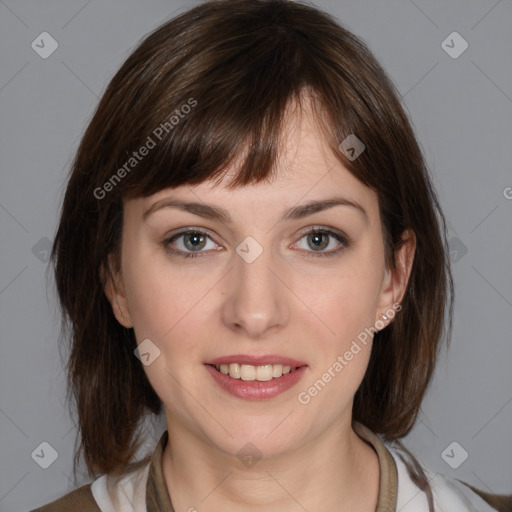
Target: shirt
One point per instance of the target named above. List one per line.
(145, 489)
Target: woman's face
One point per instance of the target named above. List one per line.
(250, 285)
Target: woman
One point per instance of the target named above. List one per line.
(250, 244)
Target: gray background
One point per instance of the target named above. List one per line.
(461, 109)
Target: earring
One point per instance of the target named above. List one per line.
(384, 317)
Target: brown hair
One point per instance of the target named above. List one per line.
(237, 64)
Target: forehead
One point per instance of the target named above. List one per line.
(306, 169)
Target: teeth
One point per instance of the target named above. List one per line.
(264, 373)
(234, 370)
(248, 372)
(277, 370)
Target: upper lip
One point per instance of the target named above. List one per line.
(257, 360)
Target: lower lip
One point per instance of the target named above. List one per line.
(255, 389)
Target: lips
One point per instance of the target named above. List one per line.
(248, 376)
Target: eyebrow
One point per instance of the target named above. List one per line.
(217, 213)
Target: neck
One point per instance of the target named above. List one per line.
(337, 471)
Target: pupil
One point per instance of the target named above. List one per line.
(316, 238)
(195, 240)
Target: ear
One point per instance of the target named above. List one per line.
(396, 279)
(115, 292)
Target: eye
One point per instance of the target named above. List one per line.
(317, 240)
(189, 242)
(192, 243)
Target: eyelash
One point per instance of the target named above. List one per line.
(343, 240)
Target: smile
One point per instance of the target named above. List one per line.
(255, 377)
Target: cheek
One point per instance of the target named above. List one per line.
(160, 294)
(347, 301)
(153, 306)
(347, 304)
(170, 305)
(342, 354)
(166, 308)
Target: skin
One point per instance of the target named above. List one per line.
(286, 302)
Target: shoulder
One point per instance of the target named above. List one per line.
(414, 481)
(125, 491)
(79, 500)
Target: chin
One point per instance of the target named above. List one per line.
(268, 437)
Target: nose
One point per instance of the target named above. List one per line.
(256, 302)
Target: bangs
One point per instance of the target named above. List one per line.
(206, 145)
